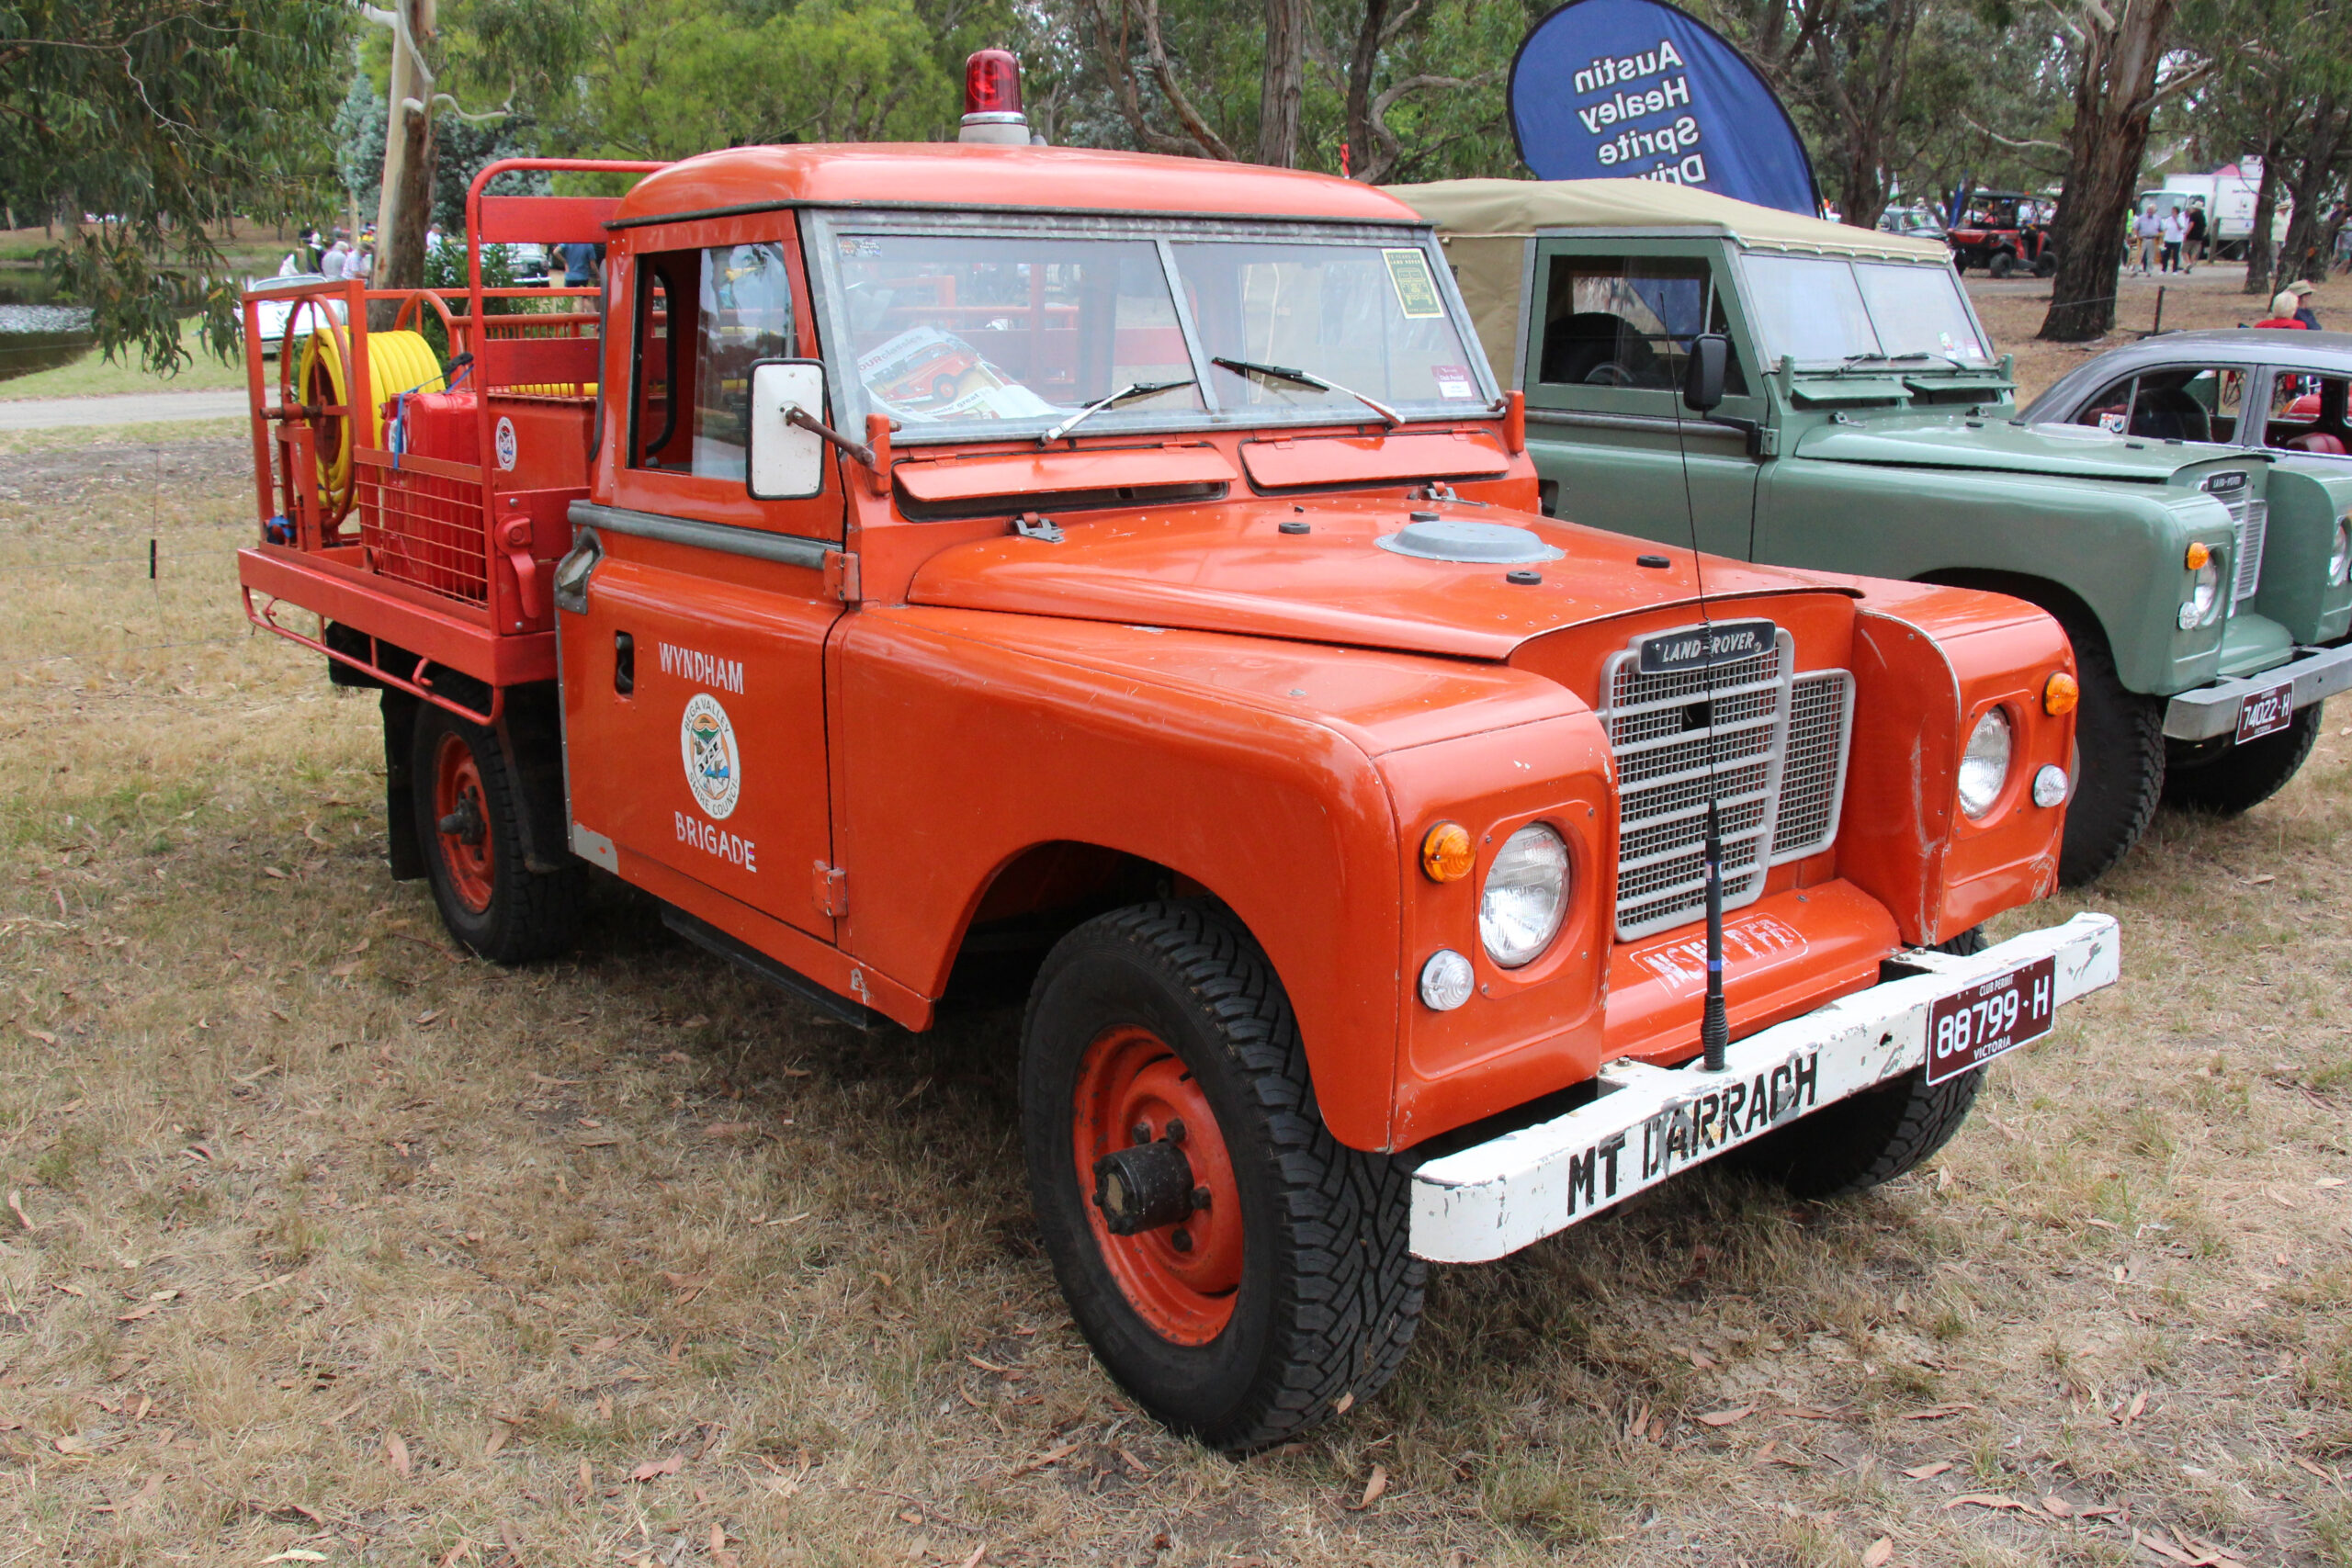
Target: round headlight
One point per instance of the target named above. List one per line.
(1525, 897)
(2339, 554)
(2204, 594)
(1984, 766)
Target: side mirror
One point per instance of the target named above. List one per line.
(1703, 379)
(787, 460)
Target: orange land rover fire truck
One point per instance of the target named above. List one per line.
(911, 548)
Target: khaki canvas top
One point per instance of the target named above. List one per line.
(1485, 225)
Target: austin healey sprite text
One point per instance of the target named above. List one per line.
(1695, 1128)
(1666, 148)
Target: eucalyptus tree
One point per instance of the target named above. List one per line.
(142, 126)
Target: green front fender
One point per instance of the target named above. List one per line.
(2115, 549)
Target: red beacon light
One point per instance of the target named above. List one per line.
(992, 114)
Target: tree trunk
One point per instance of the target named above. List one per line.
(2266, 217)
(2309, 188)
(1282, 94)
(1361, 66)
(2115, 96)
(406, 210)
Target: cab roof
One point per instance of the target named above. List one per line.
(1518, 209)
(951, 175)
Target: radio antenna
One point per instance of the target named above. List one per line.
(1703, 385)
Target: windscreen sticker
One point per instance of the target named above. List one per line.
(2111, 422)
(1454, 381)
(1417, 294)
(858, 247)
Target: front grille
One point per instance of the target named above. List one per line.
(1770, 746)
(2249, 521)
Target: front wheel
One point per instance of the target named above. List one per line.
(467, 821)
(2045, 265)
(2230, 778)
(1236, 1268)
(2002, 265)
(2119, 755)
(1864, 1140)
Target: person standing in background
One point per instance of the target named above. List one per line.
(583, 264)
(337, 262)
(2175, 230)
(2150, 229)
(2193, 249)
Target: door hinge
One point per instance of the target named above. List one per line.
(841, 576)
(832, 890)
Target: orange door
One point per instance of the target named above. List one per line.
(694, 680)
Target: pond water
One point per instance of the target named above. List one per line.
(39, 337)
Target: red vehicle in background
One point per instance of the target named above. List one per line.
(2003, 232)
(1129, 568)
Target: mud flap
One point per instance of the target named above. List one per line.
(401, 852)
(530, 732)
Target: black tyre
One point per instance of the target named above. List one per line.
(468, 814)
(1160, 1066)
(2226, 779)
(2045, 265)
(2119, 760)
(1857, 1143)
(2002, 265)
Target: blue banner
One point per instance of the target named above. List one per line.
(1633, 89)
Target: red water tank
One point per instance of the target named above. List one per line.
(441, 424)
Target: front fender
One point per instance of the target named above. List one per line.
(1253, 767)
(2306, 499)
(2116, 549)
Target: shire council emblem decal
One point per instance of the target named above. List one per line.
(714, 766)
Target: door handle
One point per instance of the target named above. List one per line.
(624, 663)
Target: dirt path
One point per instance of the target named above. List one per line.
(130, 407)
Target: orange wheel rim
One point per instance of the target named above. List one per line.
(462, 814)
(1180, 1279)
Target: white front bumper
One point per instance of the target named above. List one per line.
(1494, 1198)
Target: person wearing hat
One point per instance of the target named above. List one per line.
(2300, 292)
(2282, 311)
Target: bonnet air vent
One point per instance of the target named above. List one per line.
(1431, 538)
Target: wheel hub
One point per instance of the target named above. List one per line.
(1165, 1211)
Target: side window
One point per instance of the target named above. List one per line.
(2308, 413)
(704, 318)
(2193, 402)
(1627, 322)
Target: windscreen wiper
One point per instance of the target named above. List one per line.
(1304, 378)
(1127, 394)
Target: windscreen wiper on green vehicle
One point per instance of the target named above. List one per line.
(1304, 379)
(1127, 394)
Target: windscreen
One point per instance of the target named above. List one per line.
(1827, 310)
(951, 329)
(1919, 311)
(1368, 318)
(957, 335)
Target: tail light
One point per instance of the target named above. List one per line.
(992, 100)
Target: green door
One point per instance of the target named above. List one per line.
(1605, 421)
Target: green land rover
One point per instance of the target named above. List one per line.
(1867, 427)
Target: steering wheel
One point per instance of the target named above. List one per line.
(1608, 373)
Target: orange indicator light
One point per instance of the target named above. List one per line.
(2198, 554)
(1445, 853)
(2060, 694)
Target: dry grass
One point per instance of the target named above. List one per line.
(327, 1241)
(2206, 298)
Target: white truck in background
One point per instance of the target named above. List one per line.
(2229, 194)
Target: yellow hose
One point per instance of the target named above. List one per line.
(396, 362)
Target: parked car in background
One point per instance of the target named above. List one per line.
(1868, 427)
(271, 314)
(2274, 394)
(1924, 222)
